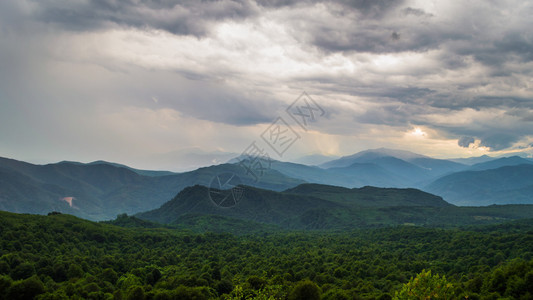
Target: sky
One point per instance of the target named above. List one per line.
(153, 83)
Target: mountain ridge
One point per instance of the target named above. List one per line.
(347, 160)
(321, 207)
(486, 187)
(101, 191)
(500, 162)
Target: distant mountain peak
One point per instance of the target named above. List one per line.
(397, 153)
(487, 184)
(367, 155)
(501, 162)
(314, 159)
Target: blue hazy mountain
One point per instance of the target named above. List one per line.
(314, 159)
(378, 167)
(472, 160)
(377, 170)
(404, 168)
(368, 155)
(500, 162)
(364, 174)
(356, 175)
(504, 185)
(152, 173)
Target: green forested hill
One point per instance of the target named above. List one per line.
(323, 207)
(256, 205)
(100, 191)
(369, 196)
(61, 257)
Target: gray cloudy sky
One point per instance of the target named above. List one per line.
(130, 80)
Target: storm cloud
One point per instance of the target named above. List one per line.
(212, 74)
(466, 141)
(186, 17)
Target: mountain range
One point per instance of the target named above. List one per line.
(403, 168)
(101, 190)
(378, 167)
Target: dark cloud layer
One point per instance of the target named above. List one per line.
(466, 141)
(416, 12)
(368, 8)
(186, 17)
(499, 141)
(462, 69)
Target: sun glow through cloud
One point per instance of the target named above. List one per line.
(417, 132)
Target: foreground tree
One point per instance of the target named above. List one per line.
(426, 286)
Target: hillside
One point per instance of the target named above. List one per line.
(101, 191)
(505, 185)
(257, 205)
(313, 206)
(369, 196)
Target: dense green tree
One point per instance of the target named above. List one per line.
(188, 293)
(25, 289)
(336, 294)
(224, 287)
(109, 275)
(305, 290)
(74, 271)
(58, 295)
(59, 270)
(5, 284)
(136, 293)
(23, 271)
(153, 276)
(128, 280)
(118, 295)
(256, 282)
(4, 267)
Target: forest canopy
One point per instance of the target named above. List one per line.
(60, 256)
